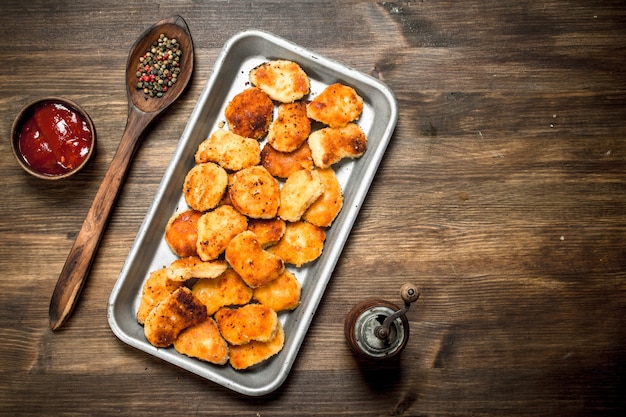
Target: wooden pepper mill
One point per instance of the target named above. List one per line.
(377, 329)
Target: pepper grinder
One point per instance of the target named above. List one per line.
(377, 329)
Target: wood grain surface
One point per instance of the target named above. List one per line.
(502, 195)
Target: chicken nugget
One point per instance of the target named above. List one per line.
(284, 81)
(226, 198)
(215, 230)
(300, 190)
(183, 269)
(283, 164)
(229, 150)
(268, 231)
(281, 294)
(173, 315)
(254, 264)
(331, 144)
(325, 209)
(225, 290)
(245, 356)
(250, 113)
(156, 289)
(290, 128)
(255, 192)
(181, 232)
(301, 243)
(204, 186)
(245, 324)
(203, 341)
(336, 106)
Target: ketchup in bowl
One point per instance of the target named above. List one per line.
(54, 138)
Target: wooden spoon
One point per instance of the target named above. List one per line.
(142, 111)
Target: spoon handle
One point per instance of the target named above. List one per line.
(82, 254)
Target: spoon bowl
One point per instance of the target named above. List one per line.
(142, 110)
(173, 28)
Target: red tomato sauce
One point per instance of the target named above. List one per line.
(55, 139)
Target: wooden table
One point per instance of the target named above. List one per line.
(502, 195)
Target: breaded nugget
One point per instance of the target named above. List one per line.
(300, 190)
(336, 106)
(250, 113)
(268, 231)
(204, 186)
(230, 150)
(215, 230)
(156, 289)
(226, 198)
(225, 201)
(254, 264)
(181, 232)
(203, 341)
(290, 128)
(183, 269)
(245, 356)
(284, 81)
(173, 315)
(255, 192)
(225, 290)
(281, 294)
(301, 243)
(283, 164)
(325, 209)
(245, 324)
(331, 144)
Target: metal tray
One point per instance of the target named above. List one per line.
(241, 53)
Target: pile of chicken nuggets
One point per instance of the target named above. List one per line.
(260, 196)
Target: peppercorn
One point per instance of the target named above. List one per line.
(159, 67)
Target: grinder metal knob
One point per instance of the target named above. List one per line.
(377, 329)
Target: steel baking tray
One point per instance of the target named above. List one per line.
(149, 252)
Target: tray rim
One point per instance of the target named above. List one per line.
(344, 232)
